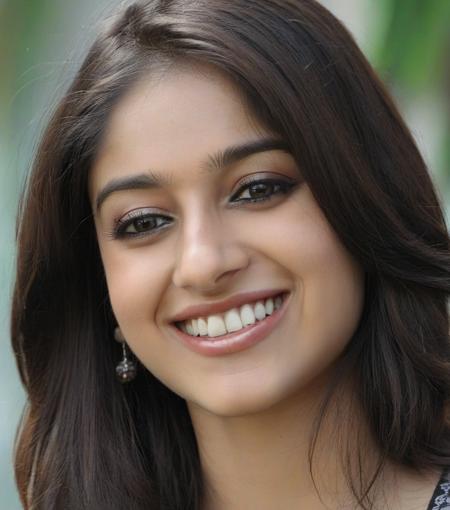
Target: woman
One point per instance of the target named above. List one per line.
(228, 191)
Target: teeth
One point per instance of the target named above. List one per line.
(247, 315)
(195, 327)
(216, 326)
(202, 327)
(232, 320)
(277, 303)
(260, 310)
(269, 306)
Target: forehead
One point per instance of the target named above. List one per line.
(172, 121)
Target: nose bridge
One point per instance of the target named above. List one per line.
(206, 250)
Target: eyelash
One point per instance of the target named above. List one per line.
(121, 225)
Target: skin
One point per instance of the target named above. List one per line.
(252, 411)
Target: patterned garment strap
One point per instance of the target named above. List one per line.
(441, 496)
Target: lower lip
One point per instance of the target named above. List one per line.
(234, 342)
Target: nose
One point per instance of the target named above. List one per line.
(208, 254)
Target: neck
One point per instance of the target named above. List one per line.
(262, 460)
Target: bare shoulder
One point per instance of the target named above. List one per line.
(406, 489)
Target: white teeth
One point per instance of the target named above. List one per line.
(216, 326)
(277, 303)
(269, 306)
(202, 327)
(247, 315)
(260, 310)
(232, 320)
(189, 327)
(195, 327)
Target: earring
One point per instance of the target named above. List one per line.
(126, 369)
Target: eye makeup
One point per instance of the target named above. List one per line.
(144, 222)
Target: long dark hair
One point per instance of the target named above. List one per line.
(86, 441)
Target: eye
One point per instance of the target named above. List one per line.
(262, 190)
(142, 222)
(139, 223)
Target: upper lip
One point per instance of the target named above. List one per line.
(202, 310)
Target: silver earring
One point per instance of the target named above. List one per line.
(126, 369)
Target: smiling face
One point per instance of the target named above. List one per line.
(176, 227)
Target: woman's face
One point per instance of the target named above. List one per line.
(197, 239)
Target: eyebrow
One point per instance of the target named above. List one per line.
(215, 163)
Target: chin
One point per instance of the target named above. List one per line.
(234, 407)
(241, 398)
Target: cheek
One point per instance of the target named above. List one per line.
(332, 281)
(135, 278)
(329, 287)
(332, 299)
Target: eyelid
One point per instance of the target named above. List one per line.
(135, 212)
(121, 223)
(285, 185)
(263, 178)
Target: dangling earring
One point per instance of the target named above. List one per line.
(126, 369)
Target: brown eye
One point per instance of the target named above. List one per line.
(140, 223)
(144, 224)
(262, 190)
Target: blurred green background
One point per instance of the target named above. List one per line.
(42, 42)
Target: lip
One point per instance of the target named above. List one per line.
(203, 310)
(234, 342)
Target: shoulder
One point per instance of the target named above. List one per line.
(440, 499)
(406, 489)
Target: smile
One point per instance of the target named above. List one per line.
(232, 320)
(230, 342)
